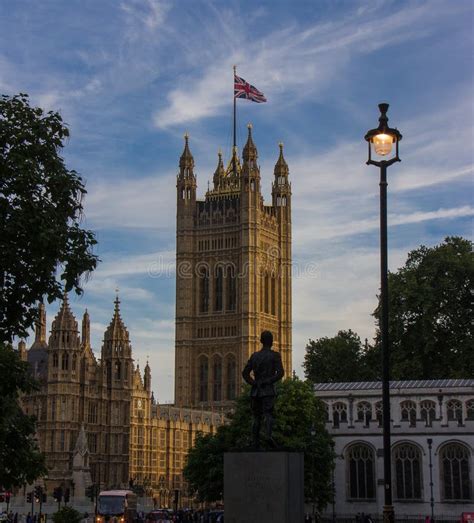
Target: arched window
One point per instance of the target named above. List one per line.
(407, 461)
(74, 361)
(454, 408)
(428, 412)
(408, 412)
(118, 370)
(361, 473)
(455, 473)
(204, 291)
(339, 413)
(231, 290)
(364, 412)
(203, 378)
(379, 413)
(65, 361)
(55, 360)
(218, 302)
(217, 378)
(231, 377)
(470, 409)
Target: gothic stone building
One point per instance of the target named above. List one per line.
(233, 275)
(129, 436)
(432, 447)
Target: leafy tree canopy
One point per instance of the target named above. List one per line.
(431, 329)
(297, 411)
(20, 459)
(40, 213)
(339, 359)
(41, 243)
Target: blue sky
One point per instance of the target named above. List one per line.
(130, 77)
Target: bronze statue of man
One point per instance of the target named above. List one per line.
(267, 369)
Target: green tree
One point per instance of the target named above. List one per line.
(67, 514)
(20, 459)
(40, 213)
(43, 249)
(339, 359)
(431, 329)
(297, 411)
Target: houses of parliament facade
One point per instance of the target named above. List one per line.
(233, 280)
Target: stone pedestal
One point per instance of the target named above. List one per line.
(264, 487)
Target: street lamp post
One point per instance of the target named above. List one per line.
(313, 494)
(430, 444)
(381, 139)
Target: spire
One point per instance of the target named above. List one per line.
(40, 329)
(116, 329)
(86, 330)
(186, 162)
(81, 442)
(219, 172)
(147, 377)
(281, 167)
(64, 331)
(22, 350)
(250, 150)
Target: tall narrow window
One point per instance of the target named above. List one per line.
(408, 412)
(204, 291)
(218, 289)
(360, 459)
(364, 412)
(407, 461)
(74, 362)
(454, 408)
(273, 292)
(55, 360)
(118, 370)
(231, 377)
(65, 361)
(267, 293)
(428, 412)
(339, 413)
(203, 378)
(470, 409)
(217, 378)
(455, 473)
(231, 290)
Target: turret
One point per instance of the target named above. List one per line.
(281, 188)
(22, 350)
(186, 181)
(147, 377)
(219, 173)
(86, 331)
(117, 350)
(40, 329)
(250, 176)
(64, 333)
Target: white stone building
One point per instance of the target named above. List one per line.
(432, 421)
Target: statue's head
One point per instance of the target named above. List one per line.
(266, 338)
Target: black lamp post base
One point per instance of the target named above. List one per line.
(388, 514)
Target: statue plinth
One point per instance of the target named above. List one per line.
(264, 487)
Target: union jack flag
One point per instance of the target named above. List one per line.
(243, 89)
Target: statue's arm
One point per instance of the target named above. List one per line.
(279, 371)
(246, 373)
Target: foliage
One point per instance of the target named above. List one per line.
(67, 514)
(431, 328)
(20, 459)
(40, 213)
(338, 359)
(297, 410)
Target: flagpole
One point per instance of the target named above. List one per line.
(235, 111)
